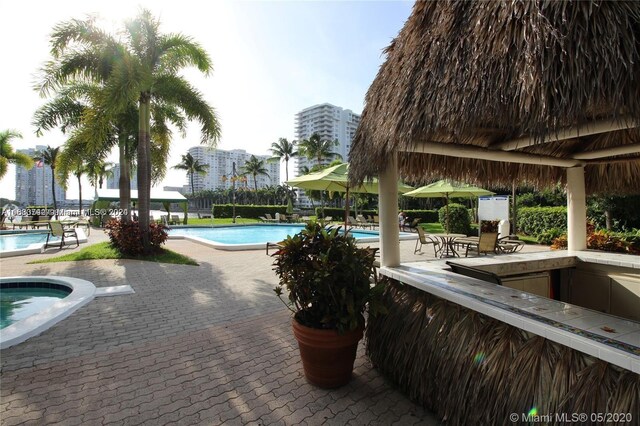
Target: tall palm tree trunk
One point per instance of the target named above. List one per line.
(79, 194)
(192, 190)
(124, 183)
(144, 170)
(53, 191)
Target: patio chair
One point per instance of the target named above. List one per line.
(262, 218)
(376, 220)
(424, 239)
(175, 219)
(295, 218)
(351, 222)
(488, 242)
(56, 230)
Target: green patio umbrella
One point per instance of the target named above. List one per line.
(336, 179)
(446, 189)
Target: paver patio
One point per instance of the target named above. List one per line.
(194, 345)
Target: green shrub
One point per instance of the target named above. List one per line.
(251, 212)
(327, 278)
(536, 220)
(547, 237)
(126, 237)
(459, 219)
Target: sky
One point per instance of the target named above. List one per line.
(271, 59)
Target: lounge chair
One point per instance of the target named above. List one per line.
(505, 245)
(175, 219)
(83, 223)
(362, 221)
(56, 230)
(269, 218)
(262, 219)
(488, 242)
(277, 246)
(424, 239)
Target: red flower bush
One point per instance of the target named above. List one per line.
(127, 239)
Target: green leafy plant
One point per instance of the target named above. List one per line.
(459, 219)
(127, 238)
(489, 225)
(547, 237)
(328, 278)
(536, 220)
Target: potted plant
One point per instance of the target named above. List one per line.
(329, 283)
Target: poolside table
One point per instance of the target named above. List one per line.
(448, 243)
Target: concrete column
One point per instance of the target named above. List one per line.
(576, 209)
(388, 209)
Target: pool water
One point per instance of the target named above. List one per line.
(19, 303)
(21, 241)
(251, 234)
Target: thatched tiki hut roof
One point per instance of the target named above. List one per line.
(542, 85)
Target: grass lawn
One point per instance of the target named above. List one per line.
(105, 251)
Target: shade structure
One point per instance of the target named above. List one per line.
(336, 179)
(497, 92)
(448, 189)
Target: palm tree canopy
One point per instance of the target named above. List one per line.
(49, 156)
(283, 150)
(191, 165)
(254, 167)
(8, 155)
(317, 148)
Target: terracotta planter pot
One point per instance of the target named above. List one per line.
(327, 357)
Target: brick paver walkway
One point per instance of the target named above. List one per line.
(194, 345)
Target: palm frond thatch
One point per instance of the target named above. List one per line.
(471, 369)
(482, 73)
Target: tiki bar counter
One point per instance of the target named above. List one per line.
(505, 94)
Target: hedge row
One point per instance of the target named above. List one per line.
(537, 220)
(252, 212)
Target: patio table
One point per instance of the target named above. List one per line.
(448, 241)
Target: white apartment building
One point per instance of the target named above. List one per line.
(33, 186)
(330, 123)
(220, 169)
(113, 182)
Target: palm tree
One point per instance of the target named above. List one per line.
(191, 166)
(144, 67)
(254, 167)
(8, 155)
(318, 149)
(283, 150)
(49, 157)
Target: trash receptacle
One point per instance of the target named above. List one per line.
(503, 228)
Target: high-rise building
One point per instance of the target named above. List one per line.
(33, 186)
(220, 169)
(330, 123)
(113, 181)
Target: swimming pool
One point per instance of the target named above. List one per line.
(15, 243)
(251, 237)
(34, 319)
(22, 241)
